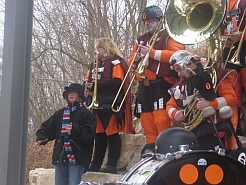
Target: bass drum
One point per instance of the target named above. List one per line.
(195, 167)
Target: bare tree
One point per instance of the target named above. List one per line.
(64, 36)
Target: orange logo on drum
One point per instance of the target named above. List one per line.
(189, 173)
(214, 174)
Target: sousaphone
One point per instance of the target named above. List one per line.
(193, 21)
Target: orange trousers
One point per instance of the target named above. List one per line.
(111, 128)
(154, 123)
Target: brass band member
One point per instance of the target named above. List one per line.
(235, 41)
(152, 91)
(223, 94)
(111, 70)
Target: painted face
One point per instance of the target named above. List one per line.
(151, 24)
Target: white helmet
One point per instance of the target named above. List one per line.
(181, 58)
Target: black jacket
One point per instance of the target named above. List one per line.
(81, 137)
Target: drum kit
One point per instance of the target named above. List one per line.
(188, 167)
(177, 160)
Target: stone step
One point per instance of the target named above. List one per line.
(41, 176)
(101, 177)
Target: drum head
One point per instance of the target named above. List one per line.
(196, 168)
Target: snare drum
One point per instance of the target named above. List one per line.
(195, 167)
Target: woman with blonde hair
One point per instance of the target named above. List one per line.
(111, 72)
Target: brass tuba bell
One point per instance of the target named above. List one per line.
(193, 21)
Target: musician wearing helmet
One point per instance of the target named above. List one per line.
(158, 77)
(234, 42)
(196, 79)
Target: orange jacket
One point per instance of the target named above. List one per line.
(224, 90)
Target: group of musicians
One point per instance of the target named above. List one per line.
(171, 76)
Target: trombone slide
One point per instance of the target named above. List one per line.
(123, 82)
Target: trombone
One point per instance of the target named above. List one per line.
(236, 57)
(94, 102)
(123, 82)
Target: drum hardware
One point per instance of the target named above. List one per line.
(161, 157)
(221, 152)
(184, 148)
(176, 155)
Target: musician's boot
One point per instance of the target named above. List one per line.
(114, 148)
(99, 152)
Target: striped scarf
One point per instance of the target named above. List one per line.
(66, 120)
